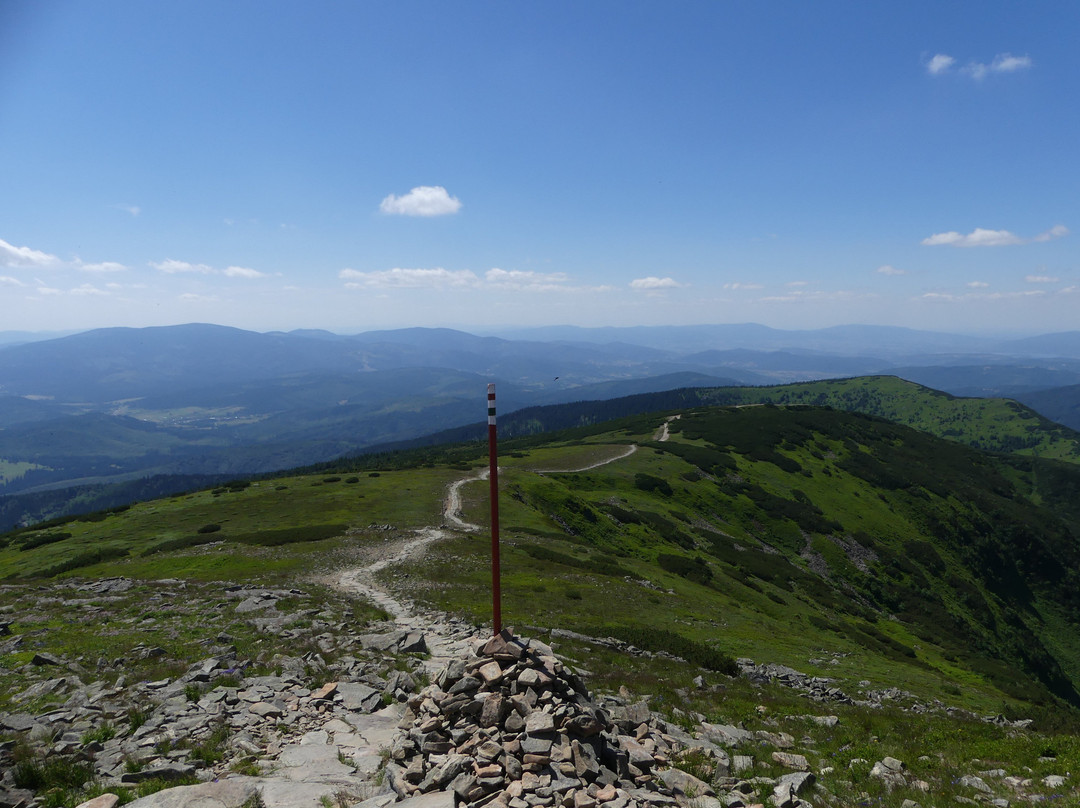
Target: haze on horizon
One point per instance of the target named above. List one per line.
(273, 165)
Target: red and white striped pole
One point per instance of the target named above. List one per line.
(493, 461)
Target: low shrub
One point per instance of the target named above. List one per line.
(692, 569)
(662, 640)
(601, 564)
(85, 560)
(289, 535)
(646, 482)
(180, 543)
(42, 539)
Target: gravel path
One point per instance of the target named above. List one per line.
(445, 638)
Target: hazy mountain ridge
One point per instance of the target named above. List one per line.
(217, 400)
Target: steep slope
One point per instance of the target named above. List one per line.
(1061, 404)
(834, 542)
(803, 528)
(994, 424)
(997, 425)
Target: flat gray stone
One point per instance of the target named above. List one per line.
(315, 763)
(381, 642)
(172, 771)
(683, 783)
(17, 722)
(539, 722)
(436, 799)
(799, 782)
(726, 735)
(264, 709)
(356, 696)
(977, 783)
(791, 760)
(278, 793)
(639, 755)
(222, 794)
(413, 643)
(101, 801)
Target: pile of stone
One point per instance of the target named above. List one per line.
(512, 727)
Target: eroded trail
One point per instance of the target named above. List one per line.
(443, 635)
(362, 579)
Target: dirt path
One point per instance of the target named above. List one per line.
(662, 434)
(452, 504)
(361, 580)
(629, 451)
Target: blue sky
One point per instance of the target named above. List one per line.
(352, 166)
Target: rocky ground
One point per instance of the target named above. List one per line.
(285, 701)
(422, 709)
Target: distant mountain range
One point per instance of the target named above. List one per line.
(844, 340)
(120, 404)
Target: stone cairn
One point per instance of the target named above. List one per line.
(512, 727)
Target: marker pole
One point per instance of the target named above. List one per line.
(493, 461)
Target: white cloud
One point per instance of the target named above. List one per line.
(243, 272)
(974, 296)
(526, 280)
(977, 285)
(1007, 63)
(1041, 279)
(653, 283)
(939, 64)
(105, 266)
(424, 200)
(12, 256)
(738, 285)
(979, 237)
(171, 267)
(518, 276)
(6, 280)
(1026, 293)
(86, 289)
(190, 297)
(796, 284)
(437, 278)
(1002, 63)
(885, 269)
(1057, 231)
(814, 296)
(134, 210)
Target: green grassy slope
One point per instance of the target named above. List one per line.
(802, 532)
(994, 424)
(838, 543)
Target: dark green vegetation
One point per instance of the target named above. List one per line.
(113, 416)
(820, 529)
(87, 450)
(838, 543)
(816, 529)
(993, 424)
(272, 521)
